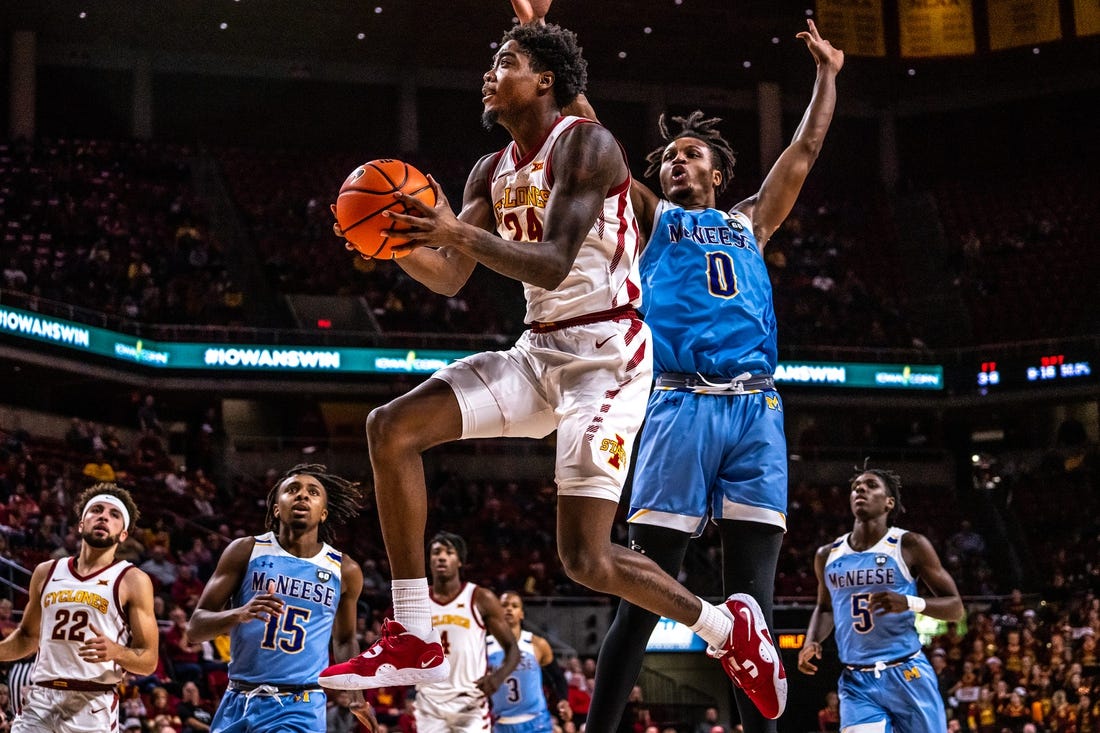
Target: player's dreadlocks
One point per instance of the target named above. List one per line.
(893, 484)
(553, 48)
(695, 125)
(343, 498)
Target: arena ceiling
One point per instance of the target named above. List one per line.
(731, 43)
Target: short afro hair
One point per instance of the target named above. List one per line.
(453, 541)
(700, 127)
(893, 485)
(554, 49)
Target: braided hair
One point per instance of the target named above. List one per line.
(343, 497)
(705, 129)
(891, 480)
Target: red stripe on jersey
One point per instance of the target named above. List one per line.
(635, 327)
(637, 358)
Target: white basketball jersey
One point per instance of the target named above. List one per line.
(605, 274)
(71, 604)
(462, 632)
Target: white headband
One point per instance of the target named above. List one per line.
(113, 501)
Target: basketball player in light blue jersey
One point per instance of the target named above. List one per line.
(519, 705)
(713, 446)
(867, 591)
(282, 597)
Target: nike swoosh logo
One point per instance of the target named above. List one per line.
(97, 712)
(429, 663)
(599, 344)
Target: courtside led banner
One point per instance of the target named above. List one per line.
(863, 376)
(333, 360)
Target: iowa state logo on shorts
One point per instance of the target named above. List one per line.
(614, 446)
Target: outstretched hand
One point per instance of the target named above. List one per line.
(531, 11)
(823, 52)
(811, 650)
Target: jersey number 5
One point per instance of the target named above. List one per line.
(293, 637)
(861, 612)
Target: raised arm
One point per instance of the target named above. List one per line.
(769, 207)
(587, 164)
(821, 622)
(924, 563)
(24, 640)
(488, 605)
(212, 616)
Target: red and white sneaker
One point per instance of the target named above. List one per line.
(750, 658)
(398, 658)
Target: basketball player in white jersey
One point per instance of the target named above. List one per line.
(552, 210)
(90, 618)
(462, 613)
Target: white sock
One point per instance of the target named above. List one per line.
(411, 607)
(713, 626)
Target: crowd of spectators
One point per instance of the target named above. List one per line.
(1010, 657)
(114, 227)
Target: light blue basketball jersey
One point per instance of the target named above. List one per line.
(706, 294)
(521, 693)
(292, 648)
(864, 637)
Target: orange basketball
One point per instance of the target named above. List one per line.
(367, 192)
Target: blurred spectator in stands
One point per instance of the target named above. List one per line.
(1063, 716)
(147, 416)
(162, 708)
(195, 714)
(204, 492)
(339, 718)
(406, 722)
(160, 567)
(7, 713)
(200, 557)
(710, 719)
(828, 717)
(45, 537)
(158, 533)
(99, 470)
(1013, 713)
(187, 588)
(7, 623)
(77, 437)
(149, 455)
(966, 543)
(23, 510)
(183, 656)
(70, 546)
(176, 481)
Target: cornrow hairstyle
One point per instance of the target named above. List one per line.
(553, 48)
(892, 482)
(705, 129)
(112, 490)
(343, 497)
(453, 541)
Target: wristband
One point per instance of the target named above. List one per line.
(916, 603)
